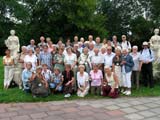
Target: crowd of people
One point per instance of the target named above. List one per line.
(97, 67)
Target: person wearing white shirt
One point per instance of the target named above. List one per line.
(97, 59)
(125, 44)
(109, 57)
(146, 58)
(135, 70)
(31, 57)
(90, 39)
(91, 49)
(82, 82)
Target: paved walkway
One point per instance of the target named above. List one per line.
(104, 109)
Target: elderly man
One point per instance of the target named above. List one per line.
(90, 39)
(75, 40)
(46, 57)
(147, 58)
(109, 57)
(91, 49)
(32, 45)
(125, 44)
(98, 43)
(42, 43)
(97, 59)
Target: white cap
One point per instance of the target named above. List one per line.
(145, 43)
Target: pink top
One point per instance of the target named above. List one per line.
(96, 78)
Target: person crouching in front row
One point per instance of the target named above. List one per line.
(56, 81)
(68, 82)
(110, 83)
(96, 80)
(82, 81)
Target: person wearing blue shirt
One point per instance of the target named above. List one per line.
(26, 75)
(127, 65)
(146, 67)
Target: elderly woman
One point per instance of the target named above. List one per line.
(58, 60)
(39, 86)
(68, 80)
(26, 75)
(110, 83)
(8, 63)
(127, 65)
(135, 70)
(31, 57)
(96, 80)
(82, 81)
(71, 58)
(84, 59)
(46, 72)
(116, 65)
(104, 43)
(56, 84)
(22, 56)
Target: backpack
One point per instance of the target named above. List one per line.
(149, 52)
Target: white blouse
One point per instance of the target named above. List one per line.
(32, 59)
(81, 79)
(70, 59)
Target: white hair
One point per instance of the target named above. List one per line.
(125, 49)
(107, 67)
(135, 47)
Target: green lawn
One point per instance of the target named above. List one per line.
(16, 95)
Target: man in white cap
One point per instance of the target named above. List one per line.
(146, 58)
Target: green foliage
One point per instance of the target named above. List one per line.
(66, 18)
(141, 30)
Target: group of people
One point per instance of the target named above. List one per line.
(105, 68)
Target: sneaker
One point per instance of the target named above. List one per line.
(124, 92)
(128, 93)
(20, 87)
(67, 95)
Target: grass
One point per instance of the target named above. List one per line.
(16, 95)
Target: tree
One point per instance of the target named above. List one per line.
(64, 18)
(12, 12)
(141, 30)
(120, 14)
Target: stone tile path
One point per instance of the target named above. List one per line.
(104, 109)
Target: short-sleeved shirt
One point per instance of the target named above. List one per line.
(70, 59)
(67, 76)
(46, 58)
(109, 59)
(96, 78)
(82, 79)
(136, 60)
(32, 59)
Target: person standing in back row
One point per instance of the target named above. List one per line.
(146, 60)
(125, 44)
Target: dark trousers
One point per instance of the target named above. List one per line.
(68, 89)
(135, 78)
(147, 74)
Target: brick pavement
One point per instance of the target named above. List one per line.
(103, 109)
